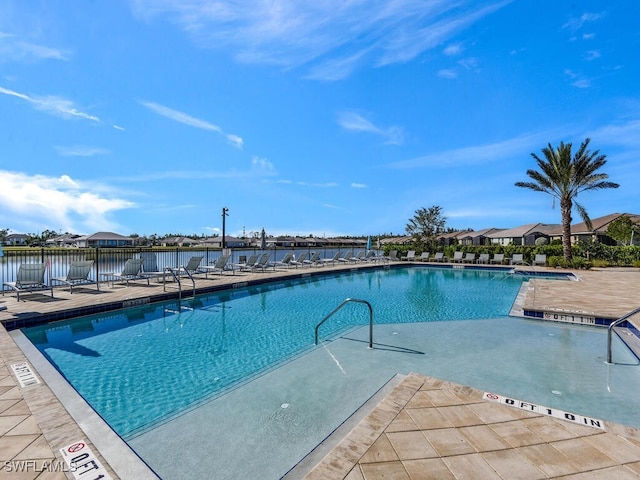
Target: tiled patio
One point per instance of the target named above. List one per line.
(425, 428)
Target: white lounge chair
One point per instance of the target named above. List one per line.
(517, 259)
(540, 259)
(262, 263)
(370, 257)
(78, 274)
(498, 258)
(192, 267)
(424, 257)
(285, 262)
(331, 260)
(393, 256)
(132, 270)
(346, 258)
(220, 266)
(457, 257)
(483, 258)
(314, 260)
(248, 263)
(150, 266)
(299, 262)
(358, 257)
(30, 278)
(410, 256)
(439, 257)
(469, 258)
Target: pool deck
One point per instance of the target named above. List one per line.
(425, 428)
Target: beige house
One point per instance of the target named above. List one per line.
(524, 234)
(179, 242)
(579, 231)
(103, 239)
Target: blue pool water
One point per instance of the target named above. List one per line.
(181, 357)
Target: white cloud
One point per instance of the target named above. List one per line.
(582, 83)
(358, 185)
(57, 106)
(454, 49)
(447, 73)
(357, 123)
(479, 154)
(623, 134)
(577, 80)
(334, 207)
(592, 55)
(470, 63)
(330, 38)
(55, 203)
(118, 127)
(186, 119)
(576, 23)
(14, 49)
(80, 151)
(262, 165)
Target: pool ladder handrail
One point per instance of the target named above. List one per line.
(349, 300)
(610, 331)
(177, 276)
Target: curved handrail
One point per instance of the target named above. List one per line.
(348, 300)
(610, 331)
(176, 277)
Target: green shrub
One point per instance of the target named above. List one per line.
(556, 261)
(580, 263)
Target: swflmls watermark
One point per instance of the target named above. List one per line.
(24, 466)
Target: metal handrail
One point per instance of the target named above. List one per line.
(610, 331)
(177, 277)
(348, 300)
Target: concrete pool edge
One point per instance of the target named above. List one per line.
(326, 446)
(367, 447)
(115, 451)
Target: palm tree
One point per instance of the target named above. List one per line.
(563, 177)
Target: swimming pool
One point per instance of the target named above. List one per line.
(170, 360)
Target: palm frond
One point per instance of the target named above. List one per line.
(585, 216)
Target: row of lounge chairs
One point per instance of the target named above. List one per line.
(461, 257)
(31, 276)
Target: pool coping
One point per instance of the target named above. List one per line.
(116, 452)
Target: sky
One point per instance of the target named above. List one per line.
(323, 117)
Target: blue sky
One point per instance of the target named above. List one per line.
(307, 117)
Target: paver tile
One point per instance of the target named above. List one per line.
(512, 465)
(470, 467)
(428, 469)
(548, 459)
(388, 470)
(448, 442)
(411, 445)
(380, 451)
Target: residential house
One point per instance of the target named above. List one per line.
(524, 234)
(179, 242)
(230, 242)
(579, 231)
(451, 238)
(478, 237)
(16, 239)
(66, 240)
(104, 239)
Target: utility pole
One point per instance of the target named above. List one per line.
(225, 213)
